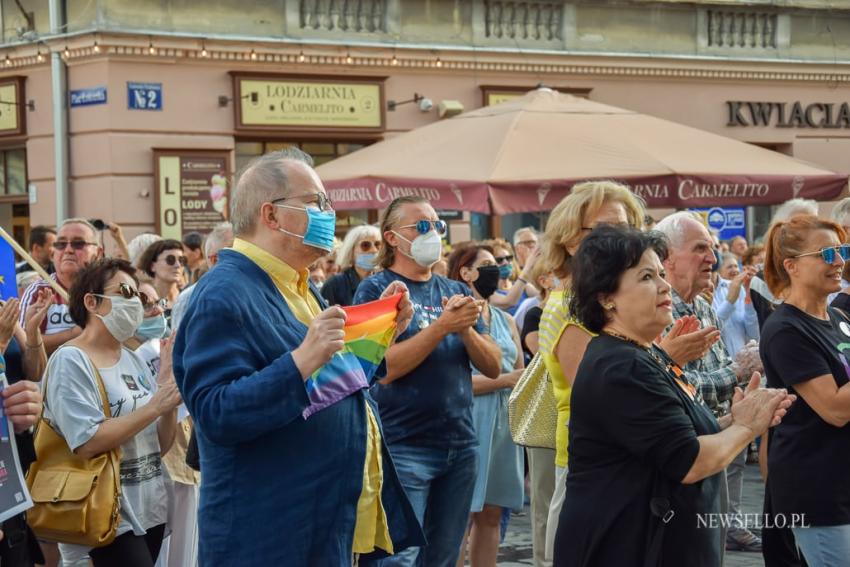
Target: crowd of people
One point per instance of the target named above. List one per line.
(674, 359)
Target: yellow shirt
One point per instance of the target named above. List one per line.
(553, 323)
(370, 528)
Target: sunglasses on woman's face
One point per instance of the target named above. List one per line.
(127, 291)
(425, 226)
(366, 245)
(828, 254)
(503, 259)
(172, 259)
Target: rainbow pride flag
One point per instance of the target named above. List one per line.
(369, 330)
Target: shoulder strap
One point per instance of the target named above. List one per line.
(101, 388)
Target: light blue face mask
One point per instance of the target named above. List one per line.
(152, 328)
(505, 271)
(321, 227)
(366, 261)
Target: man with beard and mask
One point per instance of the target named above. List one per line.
(426, 397)
(296, 472)
(500, 482)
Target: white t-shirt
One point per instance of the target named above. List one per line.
(73, 405)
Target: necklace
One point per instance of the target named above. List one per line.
(617, 335)
(667, 364)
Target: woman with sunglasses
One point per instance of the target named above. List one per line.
(514, 287)
(563, 339)
(105, 302)
(357, 258)
(805, 348)
(164, 262)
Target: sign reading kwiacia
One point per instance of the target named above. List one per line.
(315, 104)
(788, 115)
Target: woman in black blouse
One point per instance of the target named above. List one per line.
(645, 452)
(805, 347)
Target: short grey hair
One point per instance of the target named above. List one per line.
(220, 237)
(519, 231)
(795, 207)
(345, 254)
(841, 212)
(138, 244)
(673, 227)
(264, 179)
(82, 221)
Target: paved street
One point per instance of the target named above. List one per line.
(516, 550)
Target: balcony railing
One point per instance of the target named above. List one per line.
(347, 16)
(523, 21)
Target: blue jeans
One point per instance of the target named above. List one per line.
(439, 484)
(824, 546)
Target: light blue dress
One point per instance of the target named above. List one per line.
(501, 465)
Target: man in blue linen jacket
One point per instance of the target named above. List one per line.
(284, 483)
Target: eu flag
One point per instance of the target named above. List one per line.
(8, 284)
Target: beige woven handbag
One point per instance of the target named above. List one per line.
(532, 410)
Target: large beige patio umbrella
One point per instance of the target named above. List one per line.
(524, 155)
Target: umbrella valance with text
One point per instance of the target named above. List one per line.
(524, 155)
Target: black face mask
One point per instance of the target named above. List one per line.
(488, 281)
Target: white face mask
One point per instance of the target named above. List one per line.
(124, 318)
(425, 249)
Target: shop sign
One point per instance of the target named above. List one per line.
(825, 115)
(88, 97)
(144, 96)
(496, 95)
(12, 106)
(728, 222)
(191, 191)
(300, 103)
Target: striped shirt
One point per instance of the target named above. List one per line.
(58, 318)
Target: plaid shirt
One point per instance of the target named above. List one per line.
(713, 374)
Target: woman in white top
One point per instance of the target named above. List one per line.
(106, 304)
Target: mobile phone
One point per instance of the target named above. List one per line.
(98, 224)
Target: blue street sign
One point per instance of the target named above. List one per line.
(88, 97)
(729, 222)
(144, 96)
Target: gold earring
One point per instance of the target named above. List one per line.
(610, 306)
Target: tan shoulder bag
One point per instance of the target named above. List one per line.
(76, 500)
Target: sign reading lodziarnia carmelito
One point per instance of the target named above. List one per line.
(306, 103)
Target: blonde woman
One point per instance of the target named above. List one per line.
(563, 340)
(357, 258)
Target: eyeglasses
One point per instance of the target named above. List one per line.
(366, 245)
(503, 259)
(323, 201)
(425, 226)
(172, 259)
(528, 243)
(154, 305)
(129, 292)
(828, 254)
(60, 245)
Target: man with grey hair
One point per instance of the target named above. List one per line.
(525, 241)
(75, 247)
(688, 270)
(795, 207)
(293, 465)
